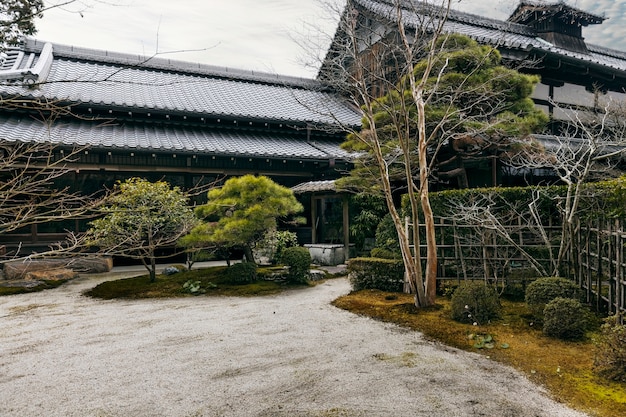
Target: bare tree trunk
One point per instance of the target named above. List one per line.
(429, 220)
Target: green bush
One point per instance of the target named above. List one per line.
(565, 318)
(610, 358)
(376, 273)
(475, 302)
(298, 259)
(543, 290)
(384, 254)
(284, 239)
(386, 235)
(242, 273)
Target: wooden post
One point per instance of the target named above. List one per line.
(346, 227)
(313, 219)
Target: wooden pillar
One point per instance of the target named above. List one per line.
(346, 226)
(313, 219)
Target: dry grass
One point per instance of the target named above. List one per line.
(564, 368)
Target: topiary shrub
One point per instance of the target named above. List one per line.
(376, 273)
(543, 290)
(610, 357)
(298, 259)
(565, 318)
(242, 273)
(475, 302)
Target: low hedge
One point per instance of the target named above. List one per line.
(376, 273)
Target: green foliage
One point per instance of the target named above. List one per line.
(369, 210)
(298, 259)
(141, 217)
(376, 273)
(387, 236)
(384, 254)
(241, 211)
(242, 273)
(543, 290)
(195, 287)
(564, 318)
(470, 94)
(610, 356)
(475, 302)
(274, 243)
(17, 18)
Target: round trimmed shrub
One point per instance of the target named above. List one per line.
(610, 357)
(565, 318)
(242, 273)
(298, 259)
(543, 290)
(475, 302)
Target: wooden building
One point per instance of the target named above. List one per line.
(542, 38)
(162, 119)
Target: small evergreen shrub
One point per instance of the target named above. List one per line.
(386, 235)
(565, 318)
(284, 239)
(543, 290)
(610, 357)
(475, 302)
(376, 273)
(298, 259)
(242, 273)
(384, 254)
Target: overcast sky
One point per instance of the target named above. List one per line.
(259, 35)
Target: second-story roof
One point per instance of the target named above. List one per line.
(502, 34)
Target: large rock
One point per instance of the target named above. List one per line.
(19, 269)
(58, 274)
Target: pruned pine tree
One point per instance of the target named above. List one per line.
(239, 213)
(430, 101)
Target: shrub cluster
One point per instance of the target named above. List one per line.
(610, 358)
(242, 273)
(475, 302)
(384, 253)
(565, 318)
(543, 290)
(298, 259)
(376, 273)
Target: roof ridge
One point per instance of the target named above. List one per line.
(170, 65)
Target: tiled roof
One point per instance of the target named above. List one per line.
(101, 78)
(498, 33)
(151, 137)
(314, 187)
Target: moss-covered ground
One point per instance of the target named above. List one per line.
(564, 368)
(206, 282)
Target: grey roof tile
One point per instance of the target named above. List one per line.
(502, 33)
(170, 138)
(123, 81)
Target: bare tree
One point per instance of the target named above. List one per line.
(30, 192)
(591, 145)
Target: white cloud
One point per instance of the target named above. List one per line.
(248, 34)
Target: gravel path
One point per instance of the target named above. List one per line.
(293, 354)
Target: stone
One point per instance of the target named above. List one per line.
(316, 275)
(18, 269)
(58, 274)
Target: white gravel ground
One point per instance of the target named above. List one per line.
(293, 354)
